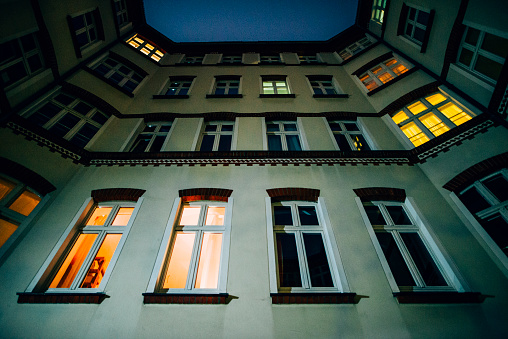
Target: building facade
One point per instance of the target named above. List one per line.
(355, 187)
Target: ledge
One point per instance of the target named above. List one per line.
(170, 97)
(439, 297)
(61, 298)
(315, 298)
(331, 95)
(277, 96)
(312, 63)
(109, 82)
(223, 96)
(391, 82)
(179, 298)
(271, 63)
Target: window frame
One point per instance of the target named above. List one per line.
(181, 81)
(356, 48)
(321, 80)
(384, 70)
(273, 80)
(420, 226)
(95, 25)
(40, 283)
(192, 60)
(122, 11)
(283, 133)
(414, 22)
(217, 134)
(233, 59)
(272, 59)
(116, 70)
(146, 47)
(348, 134)
(333, 257)
(378, 7)
(164, 254)
(230, 82)
(156, 133)
(309, 59)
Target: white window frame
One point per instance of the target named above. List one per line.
(281, 78)
(378, 10)
(309, 59)
(340, 283)
(231, 59)
(116, 70)
(153, 135)
(485, 240)
(356, 47)
(421, 227)
(181, 82)
(46, 273)
(231, 82)
(146, 47)
(322, 84)
(217, 134)
(163, 256)
(348, 134)
(88, 27)
(385, 69)
(271, 59)
(122, 12)
(282, 133)
(194, 60)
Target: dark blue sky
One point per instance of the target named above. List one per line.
(254, 20)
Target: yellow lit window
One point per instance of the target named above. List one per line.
(139, 40)
(150, 47)
(123, 216)
(145, 51)
(134, 44)
(434, 124)
(390, 62)
(454, 113)
(435, 99)
(146, 47)
(101, 261)
(99, 216)
(400, 117)
(25, 203)
(415, 134)
(417, 107)
(155, 57)
(399, 69)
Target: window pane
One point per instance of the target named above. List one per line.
(351, 126)
(473, 200)
(140, 144)
(70, 267)
(395, 260)
(385, 77)
(454, 113)
(227, 128)
(44, 114)
(101, 261)
(434, 124)
(400, 117)
(35, 63)
(374, 215)
(335, 126)
(488, 67)
(178, 268)
(421, 257)
(472, 36)
(225, 143)
(210, 128)
(436, 99)
(190, 215)
(207, 143)
(282, 215)
(6, 230)
(497, 228)
(414, 133)
(419, 34)
(293, 143)
(359, 142)
(64, 125)
(274, 143)
(5, 187)
(319, 270)
(423, 18)
(498, 186)
(25, 203)
(209, 261)
(308, 215)
(465, 57)
(215, 215)
(398, 215)
(287, 261)
(157, 143)
(417, 107)
(84, 135)
(290, 127)
(99, 216)
(123, 216)
(495, 44)
(272, 127)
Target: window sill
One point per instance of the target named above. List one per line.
(439, 297)
(331, 95)
(272, 63)
(473, 77)
(312, 63)
(170, 97)
(179, 298)
(222, 96)
(188, 64)
(400, 77)
(277, 96)
(315, 298)
(109, 82)
(61, 298)
(230, 64)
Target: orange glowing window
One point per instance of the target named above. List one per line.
(390, 62)
(178, 268)
(7, 228)
(123, 216)
(399, 69)
(385, 77)
(190, 215)
(25, 203)
(146, 47)
(215, 215)
(101, 261)
(209, 261)
(99, 216)
(6, 187)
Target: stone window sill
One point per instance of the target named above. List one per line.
(61, 298)
(315, 298)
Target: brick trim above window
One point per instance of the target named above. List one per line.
(293, 193)
(373, 63)
(26, 176)
(61, 298)
(477, 172)
(408, 98)
(381, 193)
(195, 194)
(205, 299)
(113, 194)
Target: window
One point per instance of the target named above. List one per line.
(302, 256)
(355, 48)
(226, 86)
(322, 85)
(417, 22)
(231, 59)
(382, 73)
(118, 73)
(146, 47)
(121, 15)
(84, 30)
(68, 117)
(348, 136)
(217, 136)
(271, 59)
(487, 201)
(408, 256)
(193, 60)
(152, 138)
(17, 201)
(197, 252)
(308, 59)
(283, 136)
(430, 117)
(179, 86)
(378, 10)
(483, 53)
(273, 85)
(20, 59)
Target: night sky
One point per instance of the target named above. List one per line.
(254, 20)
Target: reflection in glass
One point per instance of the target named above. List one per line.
(178, 268)
(123, 216)
(282, 215)
(319, 270)
(398, 215)
(287, 261)
(209, 261)
(395, 260)
(308, 215)
(215, 215)
(101, 261)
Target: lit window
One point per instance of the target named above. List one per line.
(283, 136)
(275, 85)
(226, 86)
(271, 59)
(84, 29)
(178, 86)
(322, 85)
(382, 73)
(308, 59)
(378, 10)
(355, 48)
(348, 136)
(217, 136)
(483, 53)
(17, 201)
(146, 47)
(196, 259)
(20, 59)
(152, 138)
(487, 201)
(231, 59)
(406, 251)
(430, 117)
(193, 60)
(417, 22)
(68, 117)
(118, 73)
(121, 15)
